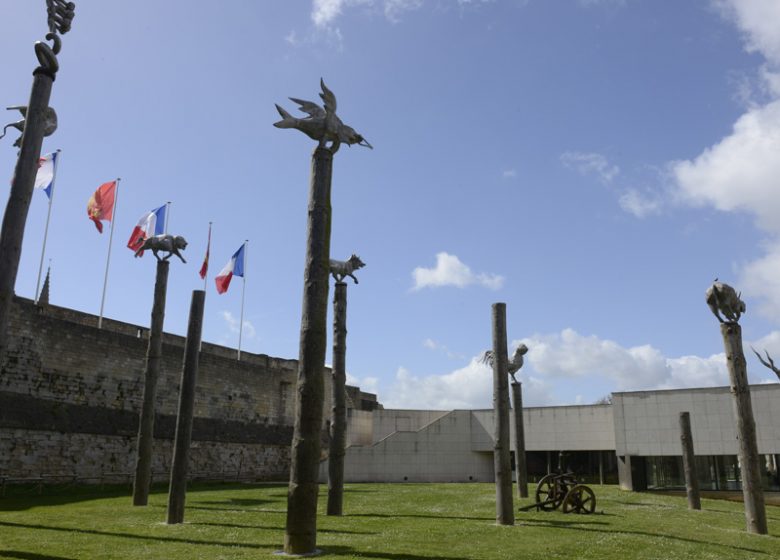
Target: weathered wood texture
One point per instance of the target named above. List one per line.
(189, 377)
(521, 468)
(338, 420)
(301, 526)
(752, 492)
(689, 462)
(145, 439)
(502, 464)
(15, 217)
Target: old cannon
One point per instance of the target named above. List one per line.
(558, 489)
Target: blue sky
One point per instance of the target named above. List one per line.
(595, 164)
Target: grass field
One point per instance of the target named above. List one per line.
(392, 521)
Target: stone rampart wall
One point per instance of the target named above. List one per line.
(70, 396)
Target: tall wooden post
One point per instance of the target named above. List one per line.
(189, 377)
(145, 441)
(502, 465)
(689, 462)
(300, 535)
(752, 492)
(338, 425)
(521, 468)
(15, 217)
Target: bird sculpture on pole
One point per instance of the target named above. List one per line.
(322, 125)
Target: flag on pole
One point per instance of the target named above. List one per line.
(101, 204)
(151, 223)
(234, 267)
(204, 268)
(44, 179)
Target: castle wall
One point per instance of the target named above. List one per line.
(70, 397)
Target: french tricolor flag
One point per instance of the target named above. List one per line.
(44, 179)
(234, 267)
(151, 223)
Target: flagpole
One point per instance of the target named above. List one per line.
(46, 230)
(243, 289)
(167, 216)
(108, 258)
(206, 276)
(208, 250)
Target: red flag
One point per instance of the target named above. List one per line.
(101, 204)
(204, 268)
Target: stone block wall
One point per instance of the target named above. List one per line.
(70, 396)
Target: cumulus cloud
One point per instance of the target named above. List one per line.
(554, 359)
(591, 163)
(739, 172)
(468, 387)
(450, 271)
(569, 354)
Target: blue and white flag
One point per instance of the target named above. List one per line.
(45, 176)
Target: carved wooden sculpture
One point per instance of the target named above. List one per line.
(722, 298)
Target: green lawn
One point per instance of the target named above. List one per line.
(394, 521)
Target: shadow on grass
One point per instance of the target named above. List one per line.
(276, 528)
(348, 550)
(241, 502)
(20, 499)
(132, 536)
(19, 555)
(214, 508)
(419, 515)
(577, 526)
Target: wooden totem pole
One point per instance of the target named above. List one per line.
(38, 120)
(322, 125)
(723, 299)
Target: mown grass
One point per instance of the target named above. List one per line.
(391, 521)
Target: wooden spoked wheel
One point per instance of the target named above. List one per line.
(580, 499)
(549, 493)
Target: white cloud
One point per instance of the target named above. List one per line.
(450, 271)
(570, 355)
(591, 163)
(740, 173)
(761, 279)
(639, 204)
(431, 344)
(509, 174)
(758, 20)
(232, 325)
(468, 387)
(325, 12)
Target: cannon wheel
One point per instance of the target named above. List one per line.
(580, 499)
(549, 490)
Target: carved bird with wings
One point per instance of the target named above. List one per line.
(322, 125)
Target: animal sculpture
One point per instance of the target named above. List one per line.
(722, 298)
(168, 243)
(49, 122)
(342, 269)
(514, 364)
(322, 125)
